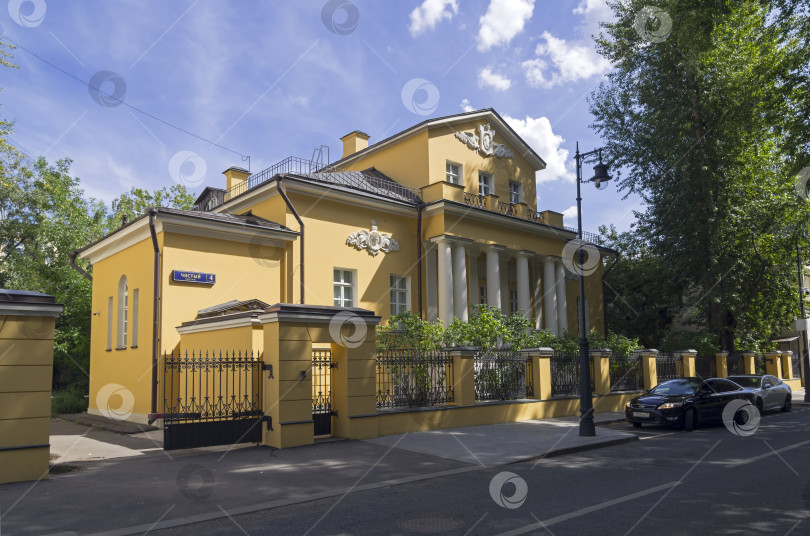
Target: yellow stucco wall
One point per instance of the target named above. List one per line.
(244, 339)
(405, 162)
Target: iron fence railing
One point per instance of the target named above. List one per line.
(564, 375)
(625, 373)
(759, 363)
(535, 216)
(735, 363)
(668, 367)
(475, 200)
(797, 365)
(501, 375)
(412, 378)
(705, 366)
(509, 209)
(589, 236)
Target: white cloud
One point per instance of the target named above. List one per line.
(503, 20)
(570, 214)
(571, 62)
(538, 134)
(587, 7)
(494, 80)
(430, 13)
(466, 106)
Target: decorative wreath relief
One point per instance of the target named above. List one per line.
(484, 143)
(373, 241)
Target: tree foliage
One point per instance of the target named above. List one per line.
(701, 125)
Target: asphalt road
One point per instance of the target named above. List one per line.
(671, 482)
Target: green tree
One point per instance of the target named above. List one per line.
(697, 118)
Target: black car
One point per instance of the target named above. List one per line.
(770, 392)
(686, 402)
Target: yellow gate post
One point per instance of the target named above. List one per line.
(773, 364)
(541, 371)
(749, 366)
(688, 357)
(721, 364)
(600, 366)
(26, 368)
(463, 375)
(787, 365)
(648, 367)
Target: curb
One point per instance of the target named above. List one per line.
(580, 448)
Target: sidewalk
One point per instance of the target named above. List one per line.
(138, 488)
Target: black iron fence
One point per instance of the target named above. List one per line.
(211, 398)
(322, 390)
(412, 378)
(759, 363)
(565, 375)
(668, 366)
(474, 200)
(625, 373)
(735, 363)
(797, 365)
(705, 366)
(501, 375)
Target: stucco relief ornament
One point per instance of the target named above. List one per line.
(484, 142)
(373, 241)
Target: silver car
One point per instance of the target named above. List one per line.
(770, 391)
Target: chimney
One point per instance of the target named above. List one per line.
(354, 142)
(235, 176)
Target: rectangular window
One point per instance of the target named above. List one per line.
(124, 312)
(513, 302)
(344, 288)
(399, 294)
(483, 295)
(135, 318)
(484, 183)
(453, 173)
(515, 192)
(109, 322)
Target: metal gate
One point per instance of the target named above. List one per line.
(211, 399)
(322, 391)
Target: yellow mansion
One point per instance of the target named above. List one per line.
(432, 219)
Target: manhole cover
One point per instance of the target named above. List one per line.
(431, 524)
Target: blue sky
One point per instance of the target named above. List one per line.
(273, 79)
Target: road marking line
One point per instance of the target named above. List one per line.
(767, 454)
(654, 436)
(590, 509)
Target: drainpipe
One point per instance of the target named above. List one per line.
(155, 309)
(604, 275)
(300, 224)
(419, 207)
(77, 267)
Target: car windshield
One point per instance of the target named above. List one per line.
(676, 387)
(748, 383)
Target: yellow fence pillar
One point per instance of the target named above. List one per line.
(26, 369)
(541, 371)
(291, 332)
(649, 371)
(721, 364)
(463, 375)
(749, 365)
(773, 364)
(600, 370)
(787, 365)
(688, 357)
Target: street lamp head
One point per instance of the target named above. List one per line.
(600, 174)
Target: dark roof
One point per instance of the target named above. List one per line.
(207, 191)
(25, 296)
(370, 180)
(231, 307)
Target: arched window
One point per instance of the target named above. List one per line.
(123, 298)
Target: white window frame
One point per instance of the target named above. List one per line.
(484, 186)
(342, 285)
(123, 311)
(515, 192)
(453, 178)
(395, 292)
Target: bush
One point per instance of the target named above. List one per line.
(68, 401)
(703, 342)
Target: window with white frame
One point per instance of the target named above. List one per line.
(484, 183)
(399, 294)
(344, 287)
(483, 294)
(123, 306)
(513, 301)
(453, 174)
(134, 329)
(515, 192)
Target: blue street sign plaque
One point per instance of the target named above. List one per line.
(194, 277)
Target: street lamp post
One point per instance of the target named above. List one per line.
(803, 331)
(587, 427)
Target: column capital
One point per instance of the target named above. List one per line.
(539, 352)
(685, 353)
(647, 352)
(526, 253)
(444, 238)
(493, 247)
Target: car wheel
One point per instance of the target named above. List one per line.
(636, 425)
(689, 419)
(788, 405)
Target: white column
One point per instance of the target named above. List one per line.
(562, 306)
(473, 268)
(445, 293)
(460, 281)
(523, 290)
(431, 269)
(493, 278)
(550, 296)
(504, 261)
(538, 297)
